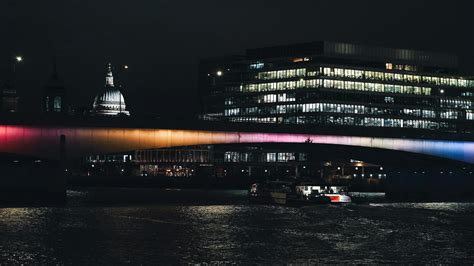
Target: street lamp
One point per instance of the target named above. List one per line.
(18, 59)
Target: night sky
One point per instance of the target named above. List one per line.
(162, 40)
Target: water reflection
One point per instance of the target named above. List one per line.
(438, 206)
(84, 233)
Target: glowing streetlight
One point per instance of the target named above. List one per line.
(18, 58)
(125, 66)
(219, 73)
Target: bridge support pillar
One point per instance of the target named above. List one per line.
(62, 150)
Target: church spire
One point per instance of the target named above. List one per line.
(109, 79)
(55, 67)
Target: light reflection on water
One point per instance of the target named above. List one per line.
(438, 206)
(85, 232)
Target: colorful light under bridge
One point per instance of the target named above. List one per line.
(44, 142)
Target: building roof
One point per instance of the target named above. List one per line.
(356, 51)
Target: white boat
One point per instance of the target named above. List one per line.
(283, 193)
(337, 194)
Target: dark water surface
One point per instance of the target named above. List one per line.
(98, 227)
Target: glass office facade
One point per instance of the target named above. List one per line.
(338, 86)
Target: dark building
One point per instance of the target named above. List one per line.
(9, 99)
(54, 94)
(339, 85)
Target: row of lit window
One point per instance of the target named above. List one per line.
(336, 84)
(445, 103)
(370, 87)
(272, 98)
(282, 74)
(339, 108)
(391, 66)
(273, 86)
(280, 156)
(456, 103)
(172, 156)
(387, 76)
(364, 74)
(267, 98)
(235, 157)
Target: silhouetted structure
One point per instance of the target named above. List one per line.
(9, 98)
(54, 93)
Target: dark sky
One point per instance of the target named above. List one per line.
(162, 40)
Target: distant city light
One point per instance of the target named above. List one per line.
(125, 66)
(219, 73)
(441, 91)
(19, 58)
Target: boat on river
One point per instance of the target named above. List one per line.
(337, 194)
(296, 194)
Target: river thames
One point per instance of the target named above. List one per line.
(114, 226)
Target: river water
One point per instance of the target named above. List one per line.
(135, 226)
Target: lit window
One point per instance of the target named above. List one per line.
(257, 65)
(57, 104)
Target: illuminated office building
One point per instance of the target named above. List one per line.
(339, 84)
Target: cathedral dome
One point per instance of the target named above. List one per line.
(110, 102)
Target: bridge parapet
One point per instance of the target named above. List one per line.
(44, 142)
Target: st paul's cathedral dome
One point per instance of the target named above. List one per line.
(110, 101)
